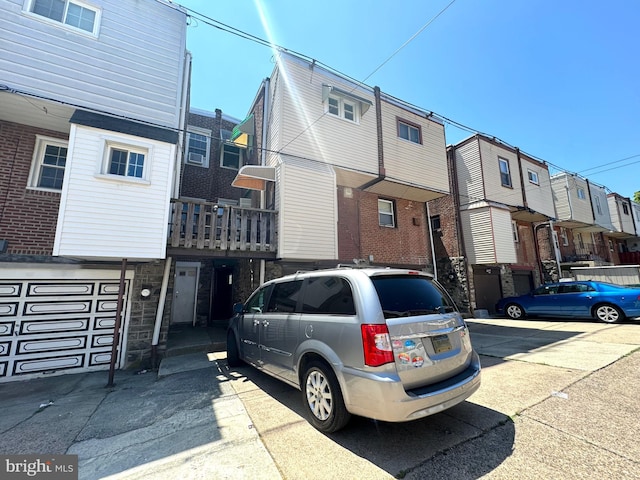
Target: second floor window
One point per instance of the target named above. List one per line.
(230, 153)
(126, 163)
(73, 13)
(386, 213)
(581, 194)
(198, 148)
(409, 131)
(598, 207)
(533, 177)
(625, 209)
(505, 174)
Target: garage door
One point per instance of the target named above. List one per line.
(55, 321)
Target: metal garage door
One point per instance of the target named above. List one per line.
(55, 321)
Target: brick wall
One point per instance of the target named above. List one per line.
(27, 217)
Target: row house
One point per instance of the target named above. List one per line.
(500, 199)
(93, 97)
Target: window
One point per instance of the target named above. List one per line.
(579, 239)
(409, 131)
(74, 13)
(125, 161)
(581, 194)
(505, 175)
(342, 107)
(533, 177)
(610, 246)
(625, 209)
(328, 295)
(408, 295)
(564, 236)
(284, 297)
(435, 223)
(230, 154)
(598, 207)
(257, 301)
(198, 143)
(546, 290)
(514, 229)
(49, 160)
(386, 216)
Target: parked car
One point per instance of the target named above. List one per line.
(387, 344)
(603, 301)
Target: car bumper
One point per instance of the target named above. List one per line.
(384, 398)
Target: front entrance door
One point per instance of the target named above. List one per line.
(488, 288)
(221, 295)
(185, 288)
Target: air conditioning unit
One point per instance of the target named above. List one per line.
(196, 158)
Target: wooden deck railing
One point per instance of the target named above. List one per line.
(207, 226)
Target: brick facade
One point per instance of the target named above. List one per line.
(28, 217)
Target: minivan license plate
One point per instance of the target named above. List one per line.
(441, 343)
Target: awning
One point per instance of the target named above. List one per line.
(328, 89)
(254, 177)
(240, 133)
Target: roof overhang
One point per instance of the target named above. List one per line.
(254, 177)
(527, 215)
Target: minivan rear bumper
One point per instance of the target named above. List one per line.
(384, 398)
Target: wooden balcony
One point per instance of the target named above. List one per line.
(206, 229)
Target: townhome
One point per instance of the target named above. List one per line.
(624, 225)
(501, 199)
(93, 100)
(347, 167)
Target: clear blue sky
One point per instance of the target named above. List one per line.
(560, 79)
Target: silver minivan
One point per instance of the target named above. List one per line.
(387, 344)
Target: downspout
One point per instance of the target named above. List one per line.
(433, 250)
(381, 171)
(182, 132)
(263, 160)
(160, 311)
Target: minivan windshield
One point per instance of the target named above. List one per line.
(405, 296)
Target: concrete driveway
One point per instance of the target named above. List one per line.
(558, 400)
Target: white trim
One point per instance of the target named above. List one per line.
(36, 162)
(29, 5)
(110, 142)
(533, 177)
(204, 161)
(342, 101)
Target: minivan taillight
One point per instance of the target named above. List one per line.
(376, 345)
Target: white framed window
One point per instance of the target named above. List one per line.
(386, 213)
(598, 207)
(71, 13)
(505, 174)
(343, 108)
(198, 147)
(48, 164)
(564, 236)
(514, 229)
(125, 161)
(231, 155)
(581, 194)
(409, 131)
(533, 177)
(579, 240)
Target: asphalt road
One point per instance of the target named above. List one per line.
(558, 400)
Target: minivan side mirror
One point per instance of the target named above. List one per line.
(238, 308)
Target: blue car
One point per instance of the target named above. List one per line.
(603, 301)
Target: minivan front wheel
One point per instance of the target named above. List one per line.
(323, 398)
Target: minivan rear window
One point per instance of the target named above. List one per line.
(404, 296)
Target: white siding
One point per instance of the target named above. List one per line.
(306, 131)
(621, 222)
(565, 195)
(133, 68)
(469, 173)
(635, 209)
(418, 164)
(307, 205)
(488, 236)
(539, 197)
(489, 154)
(602, 217)
(101, 218)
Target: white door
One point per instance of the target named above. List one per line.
(185, 289)
(59, 320)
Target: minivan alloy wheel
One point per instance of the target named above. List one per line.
(319, 395)
(323, 397)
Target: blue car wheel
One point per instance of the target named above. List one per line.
(515, 311)
(608, 313)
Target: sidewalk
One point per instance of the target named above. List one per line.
(558, 400)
